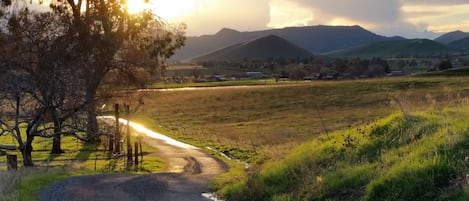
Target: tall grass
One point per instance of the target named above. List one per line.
(24, 184)
(413, 156)
(269, 121)
(8, 181)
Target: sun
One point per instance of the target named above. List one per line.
(167, 9)
(135, 6)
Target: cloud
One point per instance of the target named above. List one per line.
(212, 15)
(369, 11)
(286, 13)
(435, 2)
(409, 18)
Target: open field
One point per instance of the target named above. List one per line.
(262, 125)
(270, 121)
(344, 140)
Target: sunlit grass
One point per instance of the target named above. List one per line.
(413, 156)
(79, 158)
(347, 121)
(258, 118)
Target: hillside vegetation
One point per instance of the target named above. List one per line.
(451, 37)
(414, 47)
(263, 49)
(405, 156)
(350, 139)
(453, 72)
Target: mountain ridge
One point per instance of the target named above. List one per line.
(263, 48)
(316, 39)
(451, 37)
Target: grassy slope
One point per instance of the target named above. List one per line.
(262, 49)
(394, 48)
(269, 122)
(418, 156)
(455, 72)
(272, 120)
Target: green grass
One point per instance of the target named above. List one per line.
(417, 156)
(79, 159)
(455, 72)
(410, 47)
(262, 126)
(282, 116)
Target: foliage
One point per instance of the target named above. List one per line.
(54, 64)
(445, 64)
(453, 72)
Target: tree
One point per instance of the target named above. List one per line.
(38, 89)
(100, 30)
(53, 64)
(445, 64)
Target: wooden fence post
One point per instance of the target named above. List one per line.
(12, 162)
(136, 154)
(117, 136)
(129, 145)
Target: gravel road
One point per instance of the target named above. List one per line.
(188, 171)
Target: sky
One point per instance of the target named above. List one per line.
(408, 18)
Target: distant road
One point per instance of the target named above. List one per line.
(187, 174)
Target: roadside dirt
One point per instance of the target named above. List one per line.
(188, 172)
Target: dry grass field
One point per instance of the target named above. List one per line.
(271, 120)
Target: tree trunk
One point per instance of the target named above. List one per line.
(92, 130)
(26, 152)
(57, 140)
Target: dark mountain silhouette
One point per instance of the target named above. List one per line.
(460, 45)
(316, 39)
(407, 47)
(451, 37)
(265, 48)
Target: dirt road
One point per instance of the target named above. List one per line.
(188, 171)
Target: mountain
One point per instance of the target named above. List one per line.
(422, 47)
(196, 46)
(316, 39)
(460, 45)
(451, 37)
(264, 48)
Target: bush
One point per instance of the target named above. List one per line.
(445, 64)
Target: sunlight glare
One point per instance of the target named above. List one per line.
(167, 9)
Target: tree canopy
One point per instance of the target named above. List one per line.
(56, 62)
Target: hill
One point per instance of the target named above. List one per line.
(460, 45)
(196, 46)
(415, 47)
(315, 39)
(456, 72)
(451, 37)
(264, 48)
(400, 157)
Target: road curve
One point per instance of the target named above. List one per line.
(186, 177)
